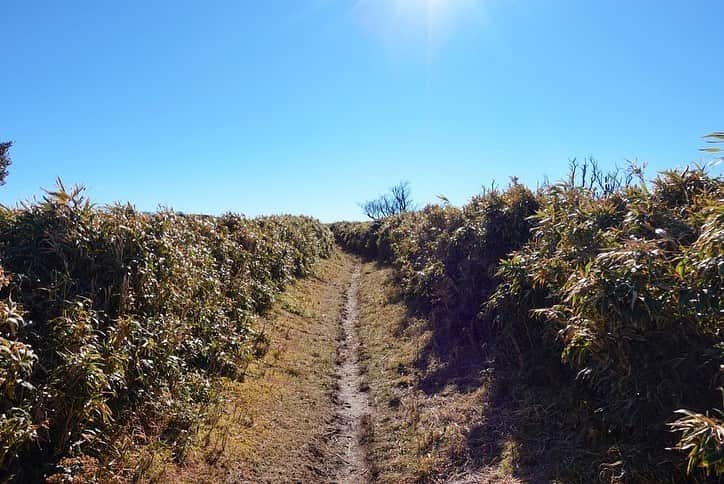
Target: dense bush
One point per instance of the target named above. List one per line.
(109, 314)
(631, 284)
(447, 256)
(358, 237)
(623, 284)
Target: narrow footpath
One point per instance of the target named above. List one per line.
(295, 416)
(341, 397)
(352, 398)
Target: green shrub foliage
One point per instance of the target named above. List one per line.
(622, 286)
(109, 313)
(632, 286)
(447, 256)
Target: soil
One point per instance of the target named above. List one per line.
(353, 407)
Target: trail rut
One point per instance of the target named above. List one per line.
(353, 407)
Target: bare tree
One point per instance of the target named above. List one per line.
(398, 200)
(603, 183)
(4, 160)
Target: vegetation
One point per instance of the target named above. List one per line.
(716, 137)
(604, 290)
(4, 160)
(274, 426)
(597, 285)
(111, 318)
(398, 201)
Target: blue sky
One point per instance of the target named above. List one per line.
(311, 106)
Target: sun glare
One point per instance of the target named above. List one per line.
(426, 23)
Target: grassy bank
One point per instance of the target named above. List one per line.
(274, 426)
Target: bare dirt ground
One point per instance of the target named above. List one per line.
(352, 400)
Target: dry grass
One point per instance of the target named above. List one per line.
(271, 427)
(425, 418)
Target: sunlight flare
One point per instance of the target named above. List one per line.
(423, 23)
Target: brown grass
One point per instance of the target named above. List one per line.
(425, 415)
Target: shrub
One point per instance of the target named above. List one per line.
(122, 314)
(702, 438)
(627, 282)
(447, 257)
(620, 283)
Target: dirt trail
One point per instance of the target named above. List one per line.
(282, 423)
(352, 400)
(338, 399)
(304, 412)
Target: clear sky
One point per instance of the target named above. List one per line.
(311, 106)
